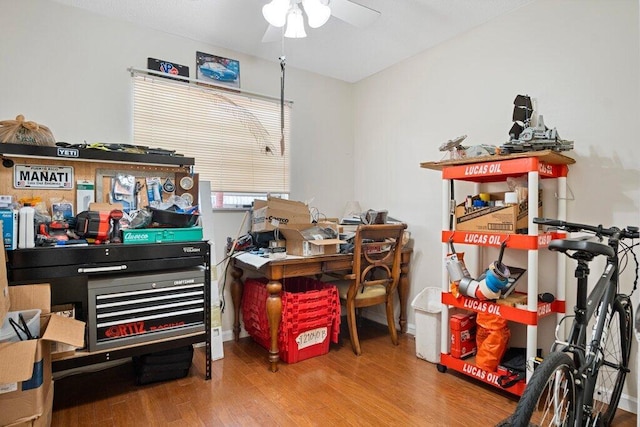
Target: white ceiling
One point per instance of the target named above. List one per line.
(338, 49)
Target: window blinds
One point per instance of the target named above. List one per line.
(234, 137)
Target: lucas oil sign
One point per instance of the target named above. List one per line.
(34, 176)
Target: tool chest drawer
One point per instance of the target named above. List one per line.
(139, 308)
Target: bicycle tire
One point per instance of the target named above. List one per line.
(549, 398)
(613, 370)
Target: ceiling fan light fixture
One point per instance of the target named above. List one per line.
(275, 12)
(295, 24)
(317, 13)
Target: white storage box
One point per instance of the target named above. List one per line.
(32, 319)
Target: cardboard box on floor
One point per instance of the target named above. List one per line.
(297, 244)
(43, 420)
(496, 219)
(26, 384)
(274, 212)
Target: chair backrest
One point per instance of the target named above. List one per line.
(376, 255)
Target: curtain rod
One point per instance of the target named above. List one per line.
(134, 70)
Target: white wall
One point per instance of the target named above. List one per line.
(67, 69)
(578, 59)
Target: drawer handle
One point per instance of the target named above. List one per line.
(101, 269)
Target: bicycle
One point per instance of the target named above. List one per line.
(579, 383)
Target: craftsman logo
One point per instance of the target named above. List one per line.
(184, 281)
(68, 152)
(125, 330)
(35, 176)
(190, 249)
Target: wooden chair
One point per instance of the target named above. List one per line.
(375, 275)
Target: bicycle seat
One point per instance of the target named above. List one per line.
(584, 249)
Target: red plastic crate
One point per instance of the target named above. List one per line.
(310, 317)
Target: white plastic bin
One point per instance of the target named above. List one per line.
(32, 319)
(428, 307)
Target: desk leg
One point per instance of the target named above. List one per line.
(274, 315)
(237, 286)
(403, 294)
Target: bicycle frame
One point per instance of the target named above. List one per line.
(581, 380)
(587, 357)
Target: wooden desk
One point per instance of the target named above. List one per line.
(276, 270)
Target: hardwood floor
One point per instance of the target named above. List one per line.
(386, 386)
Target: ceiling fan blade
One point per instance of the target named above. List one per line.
(272, 34)
(353, 13)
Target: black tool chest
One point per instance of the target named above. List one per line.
(135, 299)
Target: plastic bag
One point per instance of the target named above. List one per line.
(19, 131)
(491, 321)
(492, 338)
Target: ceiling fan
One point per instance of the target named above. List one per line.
(289, 12)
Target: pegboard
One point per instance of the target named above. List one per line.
(82, 170)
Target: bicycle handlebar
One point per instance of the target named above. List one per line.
(626, 233)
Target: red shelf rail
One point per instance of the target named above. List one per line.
(473, 371)
(510, 313)
(501, 169)
(514, 241)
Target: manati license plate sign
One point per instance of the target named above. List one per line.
(34, 176)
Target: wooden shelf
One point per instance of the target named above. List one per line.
(546, 156)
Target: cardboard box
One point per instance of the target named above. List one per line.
(302, 241)
(274, 212)
(463, 335)
(495, 219)
(25, 366)
(9, 219)
(60, 350)
(43, 420)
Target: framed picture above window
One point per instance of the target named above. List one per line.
(217, 69)
(167, 67)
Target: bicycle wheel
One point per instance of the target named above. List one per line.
(613, 370)
(550, 396)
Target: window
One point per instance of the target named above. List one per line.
(235, 137)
